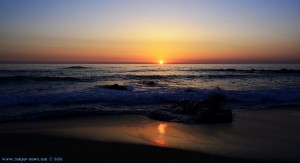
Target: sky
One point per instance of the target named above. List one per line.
(147, 31)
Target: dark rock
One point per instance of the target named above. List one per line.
(76, 67)
(162, 116)
(252, 70)
(115, 87)
(190, 90)
(206, 111)
(151, 83)
(230, 69)
(213, 115)
(284, 70)
(216, 98)
(289, 71)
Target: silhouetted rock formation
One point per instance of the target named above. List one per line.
(115, 87)
(289, 71)
(151, 83)
(207, 111)
(76, 67)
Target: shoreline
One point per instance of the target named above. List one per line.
(81, 150)
(256, 135)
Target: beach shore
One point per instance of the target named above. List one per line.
(253, 136)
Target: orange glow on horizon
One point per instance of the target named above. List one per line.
(177, 32)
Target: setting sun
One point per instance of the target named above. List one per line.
(161, 62)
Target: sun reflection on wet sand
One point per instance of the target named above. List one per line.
(162, 128)
(141, 130)
(160, 139)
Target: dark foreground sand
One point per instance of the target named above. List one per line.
(254, 136)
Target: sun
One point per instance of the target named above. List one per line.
(161, 62)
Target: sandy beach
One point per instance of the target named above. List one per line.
(253, 136)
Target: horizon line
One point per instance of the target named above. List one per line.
(44, 62)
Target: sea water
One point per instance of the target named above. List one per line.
(32, 91)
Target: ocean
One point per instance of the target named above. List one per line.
(42, 91)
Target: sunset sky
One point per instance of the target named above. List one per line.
(147, 31)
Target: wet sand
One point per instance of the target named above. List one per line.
(254, 136)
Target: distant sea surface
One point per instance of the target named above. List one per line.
(33, 91)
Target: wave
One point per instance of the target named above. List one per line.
(39, 71)
(169, 77)
(246, 71)
(103, 95)
(25, 71)
(76, 67)
(70, 112)
(33, 78)
(13, 79)
(154, 104)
